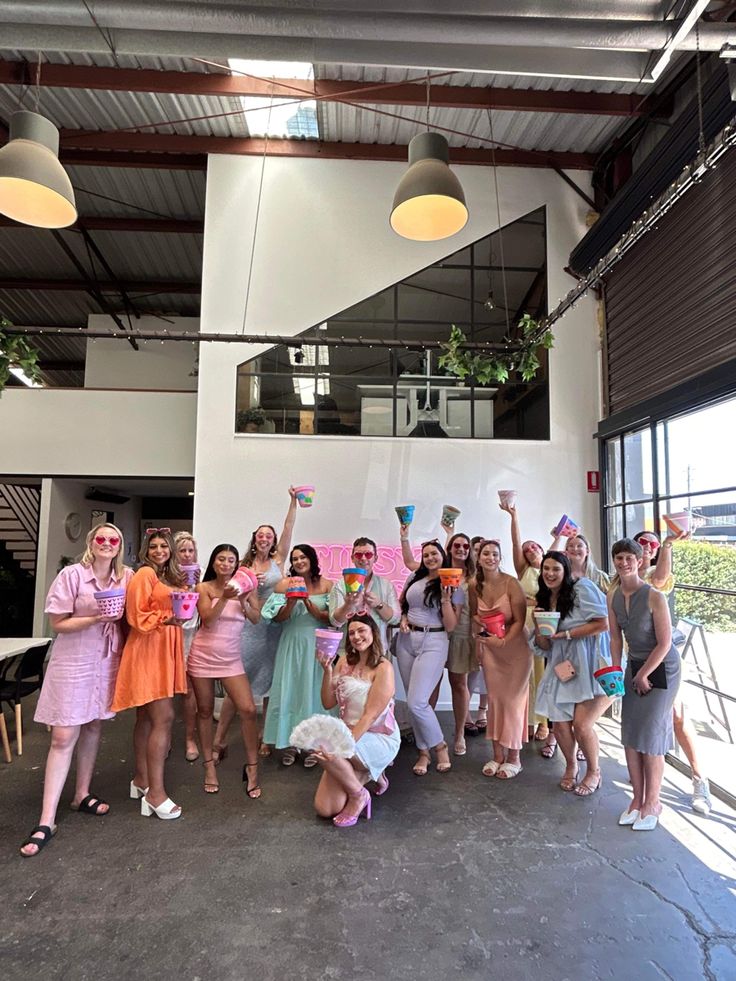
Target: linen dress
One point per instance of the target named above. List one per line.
(80, 678)
(646, 720)
(377, 748)
(556, 699)
(215, 651)
(529, 581)
(152, 665)
(259, 641)
(296, 692)
(507, 670)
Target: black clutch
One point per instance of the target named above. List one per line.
(657, 678)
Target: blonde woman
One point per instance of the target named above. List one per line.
(80, 678)
(186, 554)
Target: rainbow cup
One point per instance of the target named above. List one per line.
(547, 622)
(611, 680)
(327, 642)
(111, 602)
(451, 577)
(354, 580)
(494, 624)
(305, 495)
(450, 514)
(184, 604)
(565, 527)
(405, 513)
(296, 588)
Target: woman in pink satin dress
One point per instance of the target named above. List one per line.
(506, 661)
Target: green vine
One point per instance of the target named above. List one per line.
(16, 352)
(522, 355)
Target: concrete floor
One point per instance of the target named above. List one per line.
(456, 876)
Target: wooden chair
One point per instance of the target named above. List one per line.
(27, 677)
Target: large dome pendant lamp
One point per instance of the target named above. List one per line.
(34, 187)
(429, 203)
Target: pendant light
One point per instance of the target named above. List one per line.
(34, 187)
(429, 203)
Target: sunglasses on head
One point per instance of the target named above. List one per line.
(154, 531)
(112, 540)
(363, 555)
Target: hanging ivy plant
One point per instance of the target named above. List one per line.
(522, 355)
(16, 352)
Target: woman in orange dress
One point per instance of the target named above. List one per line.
(152, 669)
(506, 661)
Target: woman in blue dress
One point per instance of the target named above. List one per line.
(297, 676)
(568, 693)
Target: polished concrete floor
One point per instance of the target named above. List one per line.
(457, 875)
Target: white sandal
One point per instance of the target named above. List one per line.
(490, 769)
(509, 770)
(166, 811)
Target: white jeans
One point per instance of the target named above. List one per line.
(422, 658)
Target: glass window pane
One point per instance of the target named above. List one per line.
(436, 295)
(615, 525)
(639, 517)
(712, 516)
(691, 451)
(638, 464)
(614, 485)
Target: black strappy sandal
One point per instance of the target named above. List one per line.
(253, 792)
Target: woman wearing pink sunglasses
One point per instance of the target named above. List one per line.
(80, 678)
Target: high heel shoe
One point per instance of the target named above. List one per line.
(219, 753)
(443, 763)
(166, 811)
(137, 792)
(209, 786)
(253, 792)
(343, 820)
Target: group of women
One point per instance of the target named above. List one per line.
(261, 646)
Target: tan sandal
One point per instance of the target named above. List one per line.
(443, 765)
(569, 783)
(422, 764)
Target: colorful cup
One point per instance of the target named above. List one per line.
(405, 513)
(507, 497)
(296, 588)
(450, 514)
(184, 604)
(327, 642)
(354, 580)
(191, 573)
(678, 522)
(244, 580)
(451, 577)
(565, 527)
(495, 624)
(547, 622)
(111, 602)
(305, 495)
(611, 680)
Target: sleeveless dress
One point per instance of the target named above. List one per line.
(297, 677)
(215, 651)
(529, 581)
(80, 678)
(259, 641)
(377, 748)
(556, 699)
(506, 671)
(646, 720)
(152, 665)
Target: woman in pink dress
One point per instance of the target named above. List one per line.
(215, 653)
(80, 679)
(506, 661)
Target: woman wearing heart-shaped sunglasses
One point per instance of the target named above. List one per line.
(80, 677)
(152, 669)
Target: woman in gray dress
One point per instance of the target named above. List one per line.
(265, 556)
(639, 613)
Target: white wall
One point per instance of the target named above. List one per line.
(59, 498)
(76, 432)
(323, 243)
(164, 366)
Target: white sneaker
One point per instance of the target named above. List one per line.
(701, 802)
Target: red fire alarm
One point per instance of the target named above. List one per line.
(594, 481)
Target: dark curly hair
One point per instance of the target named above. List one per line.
(375, 653)
(433, 589)
(566, 595)
(315, 573)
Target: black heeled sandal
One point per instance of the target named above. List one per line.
(253, 792)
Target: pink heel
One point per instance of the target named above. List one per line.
(343, 820)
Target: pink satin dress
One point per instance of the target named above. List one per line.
(506, 670)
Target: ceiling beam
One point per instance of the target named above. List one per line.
(404, 94)
(61, 365)
(177, 226)
(174, 143)
(103, 286)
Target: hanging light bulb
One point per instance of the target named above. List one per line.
(429, 203)
(34, 187)
(488, 303)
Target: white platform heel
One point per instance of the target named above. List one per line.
(137, 792)
(166, 811)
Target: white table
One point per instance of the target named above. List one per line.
(10, 647)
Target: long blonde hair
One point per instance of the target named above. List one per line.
(88, 557)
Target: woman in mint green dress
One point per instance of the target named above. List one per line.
(297, 676)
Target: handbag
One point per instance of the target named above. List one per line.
(565, 671)
(657, 678)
